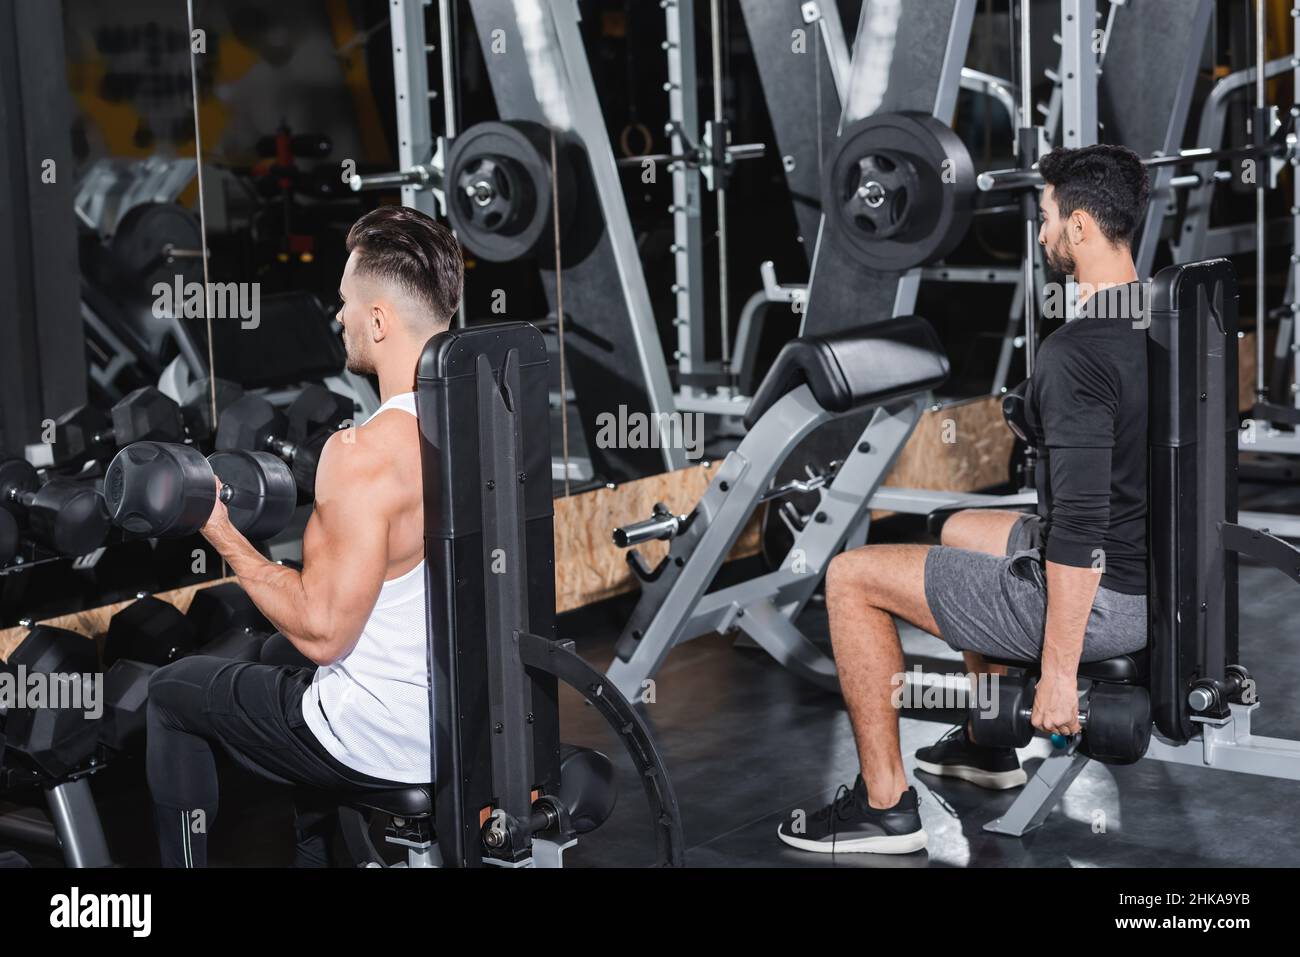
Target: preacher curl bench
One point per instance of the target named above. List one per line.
(887, 368)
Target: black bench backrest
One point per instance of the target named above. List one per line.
(490, 569)
(1192, 579)
(868, 365)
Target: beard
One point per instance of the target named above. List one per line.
(357, 363)
(1060, 263)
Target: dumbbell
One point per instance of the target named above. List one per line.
(65, 516)
(159, 490)
(196, 405)
(52, 740)
(1116, 725)
(253, 423)
(317, 408)
(85, 433)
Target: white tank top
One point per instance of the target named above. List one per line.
(370, 709)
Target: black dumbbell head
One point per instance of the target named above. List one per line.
(249, 423)
(126, 701)
(79, 437)
(306, 461)
(69, 517)
(219, 608)
(16, 475)
(1009, 726)
(237, 644)
(151, 631)
(47, 650)
(159, 490)
(62, 515)
(196, 405)
(317, 408)
(262, 495)
(1118, 730)
(146, 415)
(54, 740)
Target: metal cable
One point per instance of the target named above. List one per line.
(203, 217)
(559, 313)
(203, 231)
(1261, 183)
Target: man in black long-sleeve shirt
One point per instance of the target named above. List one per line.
(1063, 586)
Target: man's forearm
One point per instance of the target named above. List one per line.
(1070, 593)
(276, 589)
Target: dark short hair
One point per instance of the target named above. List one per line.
(1109, 183)
(404, 246)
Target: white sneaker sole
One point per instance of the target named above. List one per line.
(882, 844)
(993, 780)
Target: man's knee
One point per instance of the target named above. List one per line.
(857, 573)
(179, 687)
(957, 530)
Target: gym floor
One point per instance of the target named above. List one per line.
(746, 742)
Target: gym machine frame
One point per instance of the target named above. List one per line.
(493, 657)
(1202, 700)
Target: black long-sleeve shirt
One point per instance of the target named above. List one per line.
(1087, 411)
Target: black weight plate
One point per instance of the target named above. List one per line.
(511, 215)
(142, 235)
(269, 493)
(928, 191)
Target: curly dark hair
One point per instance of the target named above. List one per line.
(1109, 183)
(404, 246)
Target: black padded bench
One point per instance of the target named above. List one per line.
(868, 365)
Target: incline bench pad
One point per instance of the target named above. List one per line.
(869, 365)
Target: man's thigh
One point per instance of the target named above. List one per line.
(992, 531)
(252, 712)
(993, 605)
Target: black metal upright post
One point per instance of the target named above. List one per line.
(42, 344)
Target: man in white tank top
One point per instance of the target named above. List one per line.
(357, 609)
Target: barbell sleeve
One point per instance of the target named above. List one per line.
(661, 526)
(998, 179)
(421, 177)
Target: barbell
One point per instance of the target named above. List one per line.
(899, 188)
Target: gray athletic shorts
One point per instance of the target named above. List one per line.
(997, 605)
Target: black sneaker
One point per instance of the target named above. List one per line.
(955, 755)
(849, 825)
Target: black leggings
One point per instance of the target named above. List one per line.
(253, 712)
